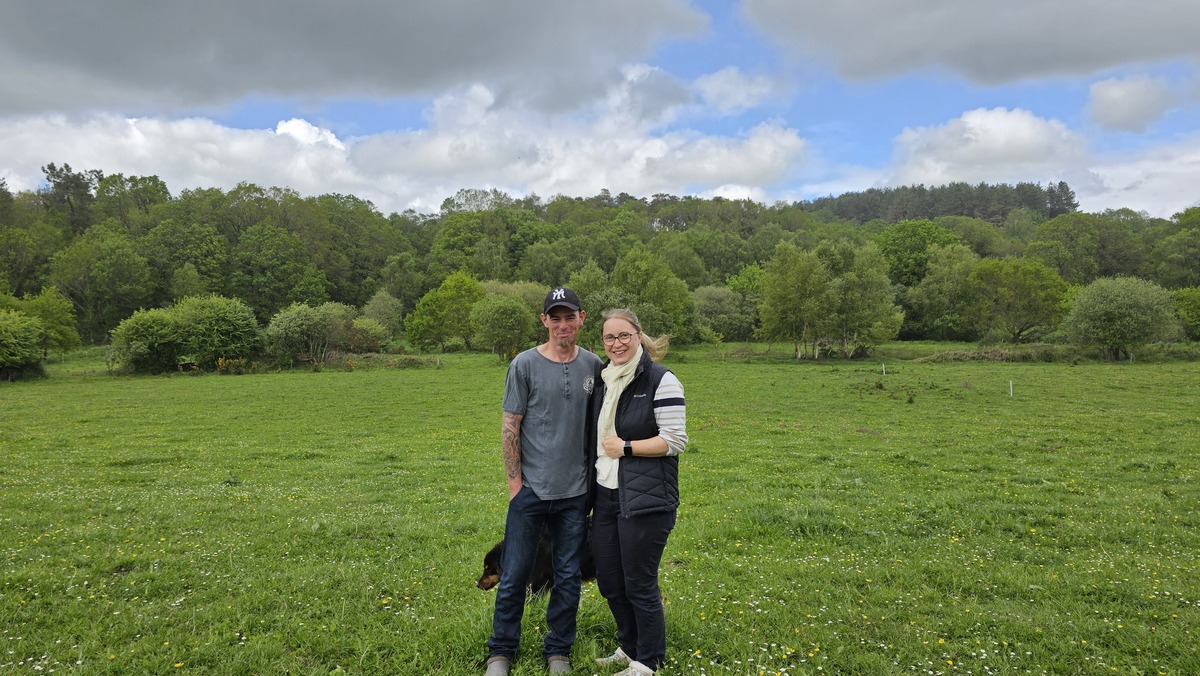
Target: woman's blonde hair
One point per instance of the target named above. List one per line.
(656, 347)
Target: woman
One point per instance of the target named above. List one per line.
(641, 430)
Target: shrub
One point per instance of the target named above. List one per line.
(214, 328)
(148, 341)
(366, 335)
(307, 334)
(192, 336)
(20, 345)
(337, 320)
(287, 335)
(387, 310)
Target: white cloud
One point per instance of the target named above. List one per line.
(647, 97)
(188, 55)
(988, 42)
(836, 181)
(737, 192)
(188, 153)
(1161, 181)
(1130, 104)
(1009, 146)
(306, 133)
(469, 142)
(730, 91)
(768, 154)
(522, 153)
(996, 146)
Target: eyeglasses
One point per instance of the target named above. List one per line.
(623, 337)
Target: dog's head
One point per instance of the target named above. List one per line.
(491, 567)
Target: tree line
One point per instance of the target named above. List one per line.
(988, 202)
(86, 251)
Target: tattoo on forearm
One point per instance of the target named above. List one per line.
(510, 435)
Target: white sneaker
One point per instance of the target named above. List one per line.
(618, 658)
(635, 668)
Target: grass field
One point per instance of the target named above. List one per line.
(835, 520)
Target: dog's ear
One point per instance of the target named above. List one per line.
(495, 554)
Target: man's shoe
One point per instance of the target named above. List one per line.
(558, 664)
(497, 666)
(635, 668)
(618, 659)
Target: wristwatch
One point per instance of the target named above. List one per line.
(628, 448)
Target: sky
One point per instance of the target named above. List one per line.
(404, 103)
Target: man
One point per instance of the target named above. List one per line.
(545, 441)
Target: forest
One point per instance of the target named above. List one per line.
(92, 258)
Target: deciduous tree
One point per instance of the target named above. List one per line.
(1017, 296)
(864, 313)
(797, 299)
(18, 259)
(105, 277)
(445, 312)
(1175, 260)
(1119, 314)
(502, 324)
(129, 199)
(676, 251)
(722, 310)
(905, 247)
(57, 315)
(647, 277)
(1069, 243)
(939, 303)
(387, 310)
(170, 245)
(1187, 306)
(271, 269)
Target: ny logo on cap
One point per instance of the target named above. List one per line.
(558, 294)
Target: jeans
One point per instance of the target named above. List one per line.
(566, 523)
(628, 552)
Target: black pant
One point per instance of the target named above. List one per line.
(628, 552)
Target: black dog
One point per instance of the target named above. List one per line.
(541, 578)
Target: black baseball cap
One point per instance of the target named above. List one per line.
(560, 295)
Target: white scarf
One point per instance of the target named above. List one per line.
(616, 379)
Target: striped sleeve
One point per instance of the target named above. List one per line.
(670, 413)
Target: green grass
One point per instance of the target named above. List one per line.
(835, 520)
